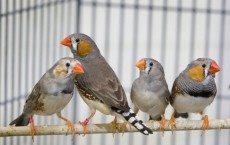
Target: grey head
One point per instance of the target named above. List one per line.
(201, 68)
(150, 67)
(82, 46)
(65, 67)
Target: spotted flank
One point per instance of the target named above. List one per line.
(133, 119)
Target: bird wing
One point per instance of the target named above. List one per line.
(175, 91)
(32, 101)
(100, 80)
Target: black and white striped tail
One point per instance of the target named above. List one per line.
(133, 119)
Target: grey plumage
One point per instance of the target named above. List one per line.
(99, 86)
(51, 93)
(185, 85)
(194, 89)
(149, 91)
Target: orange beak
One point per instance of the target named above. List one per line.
(66, 41)
(141, 64)
(214, 68)
(78, 69)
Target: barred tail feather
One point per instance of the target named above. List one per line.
(133, 119)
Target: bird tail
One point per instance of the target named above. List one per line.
(183, 115)
(133, 119)
(22, 120)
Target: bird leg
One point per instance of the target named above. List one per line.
(69, 124)
(114, 123)
(172, 122)
(86, 121)
(162, 124)
(205, 124)
(123, 127)
(32, 128)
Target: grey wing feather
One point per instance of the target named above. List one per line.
(32, 100)
(101, 81)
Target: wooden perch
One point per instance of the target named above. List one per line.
(182, 125)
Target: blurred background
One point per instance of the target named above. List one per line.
(174, 32)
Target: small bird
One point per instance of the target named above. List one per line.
(149, 91)
(99, 86)
(194, 89)
(51, 94)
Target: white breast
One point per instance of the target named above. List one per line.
(186, 103)
(53, 104)
(149, 102)
(103, 108)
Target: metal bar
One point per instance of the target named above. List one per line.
(79, 4)
(134, 54)
(181, 125)
(221, 56)
(206, 47)
(177, 48)
(149, 26)
(5, 69)
(20, 63)
(107, 49)
(164, 30)
(161, 8)
(102, 4)
(12, 66)
(192, 43)
(78, 27)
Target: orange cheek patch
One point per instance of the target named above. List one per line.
(60, 71)
(196, 73)
(84, 48)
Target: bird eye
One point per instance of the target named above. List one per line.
(203, 65)
(77, 40)
(67, 64)
(151, 64)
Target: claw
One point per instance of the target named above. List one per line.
(123, 127)
(114, 123)
(83, 124)
(71, 126)
(32, 128)
(162, 124)
(172, 123)
(205, 124)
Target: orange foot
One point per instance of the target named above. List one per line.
(172, 123)
(32, 128)
(162, 124)
(205, 124)
(114, 123)
(123, 127)
(83, 124)
(71, 126)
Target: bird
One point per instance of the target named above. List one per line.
(194, 89)
(149, 92)
(99, 86)
(51, 94)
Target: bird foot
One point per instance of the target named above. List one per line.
(172, 123)
(205, 124)
(71, 126)
(162, 125)
(83, 124)
(32, 128)
(115, 126)
(122, 127)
